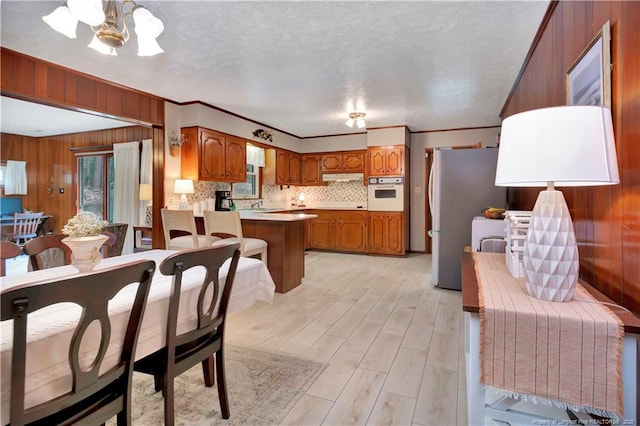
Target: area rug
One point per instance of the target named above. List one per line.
(262, 387)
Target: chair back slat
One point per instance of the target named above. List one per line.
(95, 396)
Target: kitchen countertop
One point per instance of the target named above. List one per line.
(271, 215)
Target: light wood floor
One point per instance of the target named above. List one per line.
(393, 342)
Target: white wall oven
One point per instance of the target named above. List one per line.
(386, 194)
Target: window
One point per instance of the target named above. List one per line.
(250, 188)
(96, 184)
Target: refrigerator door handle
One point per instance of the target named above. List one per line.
(430, 190)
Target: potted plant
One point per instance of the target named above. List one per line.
(84, 239)
(175, 143)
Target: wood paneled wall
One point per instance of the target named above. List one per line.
(29, 78)
(606, 218)
(50, 157)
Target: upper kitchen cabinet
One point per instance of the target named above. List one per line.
(282, 167)
(387, 160)
(310, 169)
(343, 162)
(213, 156)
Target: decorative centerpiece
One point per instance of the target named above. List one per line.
(175, 143)
(263, 134)
(84, 240)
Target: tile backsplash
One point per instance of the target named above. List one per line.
(334, 192)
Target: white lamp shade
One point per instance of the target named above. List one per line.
(146, 24)
(360, 122)
(350, 122)
(146, 191)
(99, 46)
(148, 46)
(88, 11)
(567, 145)
(183, 186)
(62, 21)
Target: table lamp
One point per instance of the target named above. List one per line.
(557, 146)
(184, 187)
(146, 192)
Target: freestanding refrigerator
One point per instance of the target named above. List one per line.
(461, 184)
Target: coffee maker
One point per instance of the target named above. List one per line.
(223, 201)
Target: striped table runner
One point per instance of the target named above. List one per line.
(567, 354)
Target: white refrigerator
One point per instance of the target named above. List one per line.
(461, 184)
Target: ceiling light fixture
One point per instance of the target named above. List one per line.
(356, 118)
(108, 24)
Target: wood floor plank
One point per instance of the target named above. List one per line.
(309, 410)
(392, 409)
(357, 400)
(381, 353)
(333, 379)
(438, 397)
(406, 373)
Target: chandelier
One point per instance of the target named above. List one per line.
(356, 118)
(109, 25)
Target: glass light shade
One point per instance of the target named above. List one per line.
(183, 186)
(88, 11)
(360, 122)
(146, 24)
(148, 46)
(146, 192)
(567, 145)
(99, 46)
(350, 122)
(62, 21)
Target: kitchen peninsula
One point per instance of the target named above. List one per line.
(285, 235)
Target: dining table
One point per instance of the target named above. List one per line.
(50, 329)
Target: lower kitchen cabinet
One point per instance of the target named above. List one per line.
(386, 233)
(338, 230)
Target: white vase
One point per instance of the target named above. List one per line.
(85, 251)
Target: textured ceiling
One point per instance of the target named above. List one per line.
(302, 66)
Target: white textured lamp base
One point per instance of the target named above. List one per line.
(550, 257)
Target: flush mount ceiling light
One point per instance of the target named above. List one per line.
(108, 24)
(356, 118)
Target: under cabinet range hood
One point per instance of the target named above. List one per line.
(342, 177)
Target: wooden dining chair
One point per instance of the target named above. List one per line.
(25, 227)
(198, 345)
(47, 251)
(95, 395)
(228, 223)
(177, 223)
(8, 250)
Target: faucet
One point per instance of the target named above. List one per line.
(257, 204)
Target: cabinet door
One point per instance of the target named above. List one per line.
(331, 162)
(282, 167)
(377, 232)
(294, 168)
(311, 169)
(395, 233)
(353, 161)
(351, 232)
(377, 162)
(394, 160)
(236, 159)
(212, 155)
(322, 231)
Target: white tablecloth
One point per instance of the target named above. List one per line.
(50, 330)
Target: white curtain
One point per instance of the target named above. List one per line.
(126, 157)
(146, 175)
(255, 155)
(16, 180)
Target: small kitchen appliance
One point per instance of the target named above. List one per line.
(223, 201)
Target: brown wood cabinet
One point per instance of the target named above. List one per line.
(386, 233)
(310, 169)
(343, 162)
(387, 160)
(338, 230)
(213, 156)
(282, 167)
